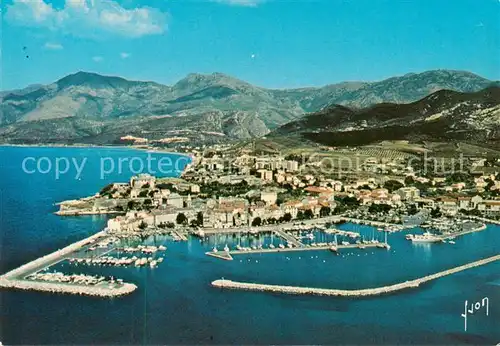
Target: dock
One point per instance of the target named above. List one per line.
(458, 234)
(179, 235)
(228, 255)
(294, 290)
(289, 238)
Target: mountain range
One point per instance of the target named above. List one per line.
(91, 108)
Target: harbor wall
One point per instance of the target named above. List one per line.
(228, 284)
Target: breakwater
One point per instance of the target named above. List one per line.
(103, 290)
(228, 284)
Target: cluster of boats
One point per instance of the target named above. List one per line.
(80, 279)
(118, 262)
(144, 249)
(253, 247)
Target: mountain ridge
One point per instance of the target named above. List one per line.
(97, 99)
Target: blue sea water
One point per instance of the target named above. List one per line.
(175, 303)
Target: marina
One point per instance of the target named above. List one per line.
(28, 276)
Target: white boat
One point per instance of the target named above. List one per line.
(451, 242)
(226, 248)
(345, 243)
(271, 246)
(425, 238)
(281, 246)
(214, 249)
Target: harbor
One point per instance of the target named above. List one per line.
(229, 284)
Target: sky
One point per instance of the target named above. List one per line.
(270, 43)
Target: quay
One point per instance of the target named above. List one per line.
(179, 235)
(229, 284)
(458, 234)
(228, 255)
(17, 278)
(87, 212)
(289, 238)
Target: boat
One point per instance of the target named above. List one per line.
(281, 246)
(214, 249)
(425, 238)
(333, 248)
(345, 243)
(361, 246)
(271, 246)
(451, 242)
(226, 248)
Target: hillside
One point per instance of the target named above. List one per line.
(88, 107)
(442, 116)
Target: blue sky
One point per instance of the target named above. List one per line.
(271, 43)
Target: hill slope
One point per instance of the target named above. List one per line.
(442, 116)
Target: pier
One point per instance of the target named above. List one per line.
(16, 278)
(228, 255)
(228, 284)
(458, 234)
(289, 238)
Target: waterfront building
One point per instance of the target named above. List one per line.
(141, 180)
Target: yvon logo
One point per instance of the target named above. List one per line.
(484, 303)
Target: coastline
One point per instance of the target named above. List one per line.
(92, 146)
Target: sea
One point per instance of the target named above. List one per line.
(175, 303)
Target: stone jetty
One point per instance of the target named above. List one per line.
(228, 284)
(102, 290)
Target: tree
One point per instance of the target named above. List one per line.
(131, 205)
(181, 219)
(324, 211)
(436, 212)
(148, 202)
(143, 225)
(409, 181)
(199, 218)
(256, 222)
(412, 209)
(393, 185)
(106, 190)
(300, 215)
(309, 214)
(287, 217)
(143, 193)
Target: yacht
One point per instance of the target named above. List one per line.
(226, 248)
(425, 238)
(214, 249)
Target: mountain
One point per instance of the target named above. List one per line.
(81, 106)
(442, 116)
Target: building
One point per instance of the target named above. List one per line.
(409, 193)
(269, 197)
(142, 180)
(175, 200)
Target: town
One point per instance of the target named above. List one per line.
(219, 190)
